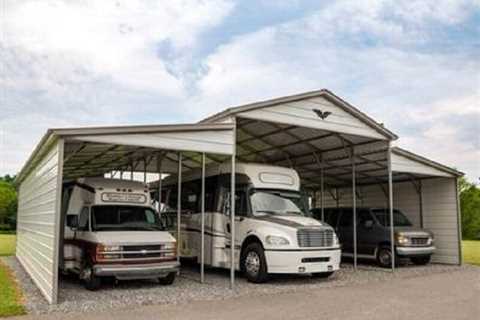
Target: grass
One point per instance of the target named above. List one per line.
(471, 251)
(7, 244)
(10, 295)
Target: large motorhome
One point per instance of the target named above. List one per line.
(112, 230)
(274, 232)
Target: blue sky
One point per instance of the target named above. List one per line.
(413, 65)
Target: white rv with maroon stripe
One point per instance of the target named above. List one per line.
(112, 229)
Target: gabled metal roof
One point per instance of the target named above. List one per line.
(232, 111)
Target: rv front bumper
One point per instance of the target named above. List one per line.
(137, 271)
(303, 261)
(415, 251)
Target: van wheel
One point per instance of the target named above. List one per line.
(254, 264)
(91, 281)
(167, 280)
(322, 275)
(420, 261)
(384, 257)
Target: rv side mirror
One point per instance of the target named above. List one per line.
(72, 221)
(368, 224)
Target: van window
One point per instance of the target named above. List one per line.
(125, 218)
(364, 215)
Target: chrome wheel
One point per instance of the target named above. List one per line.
(252, 263)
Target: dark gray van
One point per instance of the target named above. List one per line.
(373, 234)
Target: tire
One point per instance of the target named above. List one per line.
(254, 264)
(420, 261)
(384, 257)
(322, 275)
(91, 281)
(168, 279)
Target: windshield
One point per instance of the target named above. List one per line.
(125, 218)
(399, 219)
(277, 202)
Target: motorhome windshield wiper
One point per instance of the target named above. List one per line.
(266, 211)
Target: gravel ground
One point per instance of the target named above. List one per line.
(74, 298)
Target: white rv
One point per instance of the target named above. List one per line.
(274, 232)
(112, 230)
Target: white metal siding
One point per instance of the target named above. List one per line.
(214, 141)
(301, 113)
(441, 216)
(404, 164)
(38, 205)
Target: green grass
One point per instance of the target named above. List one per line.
(7, 244)
(471, 251)
(10, 296)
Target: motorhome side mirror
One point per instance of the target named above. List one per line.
(368, 224)
(72, 221)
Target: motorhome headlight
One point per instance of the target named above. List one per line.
(402, 240)
(431, 240)
(169, 246)
(277, 240)
(336, 242)
(110, 248)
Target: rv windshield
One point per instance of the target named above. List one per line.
(125, 218)
(277, 202)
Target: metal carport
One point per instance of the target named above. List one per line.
(66, 154)
(333, 146)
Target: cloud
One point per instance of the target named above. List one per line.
(410, 64)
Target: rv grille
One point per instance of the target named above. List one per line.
(315, 238)
(146, 251)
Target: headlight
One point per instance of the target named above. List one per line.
(103, 248)
(336, 242)
(402, 240)
(430, 240)
(277, 240)
(169, 246)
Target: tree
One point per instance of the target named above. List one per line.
(470, 208)
(8, 205)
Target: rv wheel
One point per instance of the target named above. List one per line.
(254, 264)
(92, 282)
(168, 280)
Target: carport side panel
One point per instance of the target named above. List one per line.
(37, 222)
(441, 217)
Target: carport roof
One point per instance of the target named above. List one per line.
(324, 93)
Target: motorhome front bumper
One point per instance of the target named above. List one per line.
(137, 271)
(415, 251)
(303, 261)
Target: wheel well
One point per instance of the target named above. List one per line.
(248, 240)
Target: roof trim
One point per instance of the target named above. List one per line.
(302, 96)
(53, 135)
(415, 157)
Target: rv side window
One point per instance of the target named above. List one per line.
(241, 205)
(83, 219)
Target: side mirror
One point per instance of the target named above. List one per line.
(368, 224)
(72, 221)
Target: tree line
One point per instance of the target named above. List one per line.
(469, 204)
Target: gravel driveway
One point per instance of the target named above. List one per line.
(74, 298)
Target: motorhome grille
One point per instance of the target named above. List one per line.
(315, 238)
(419, 241)
(142, 251)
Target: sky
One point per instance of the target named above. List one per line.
(412, 65)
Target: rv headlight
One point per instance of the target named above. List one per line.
(103, 248)
(169, 246)
(336, 242)
(277, 240)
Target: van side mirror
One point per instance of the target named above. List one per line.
(72, 221)
(368, 224)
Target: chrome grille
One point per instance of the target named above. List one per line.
(419, 241)
(145, 251)
(315, 237)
